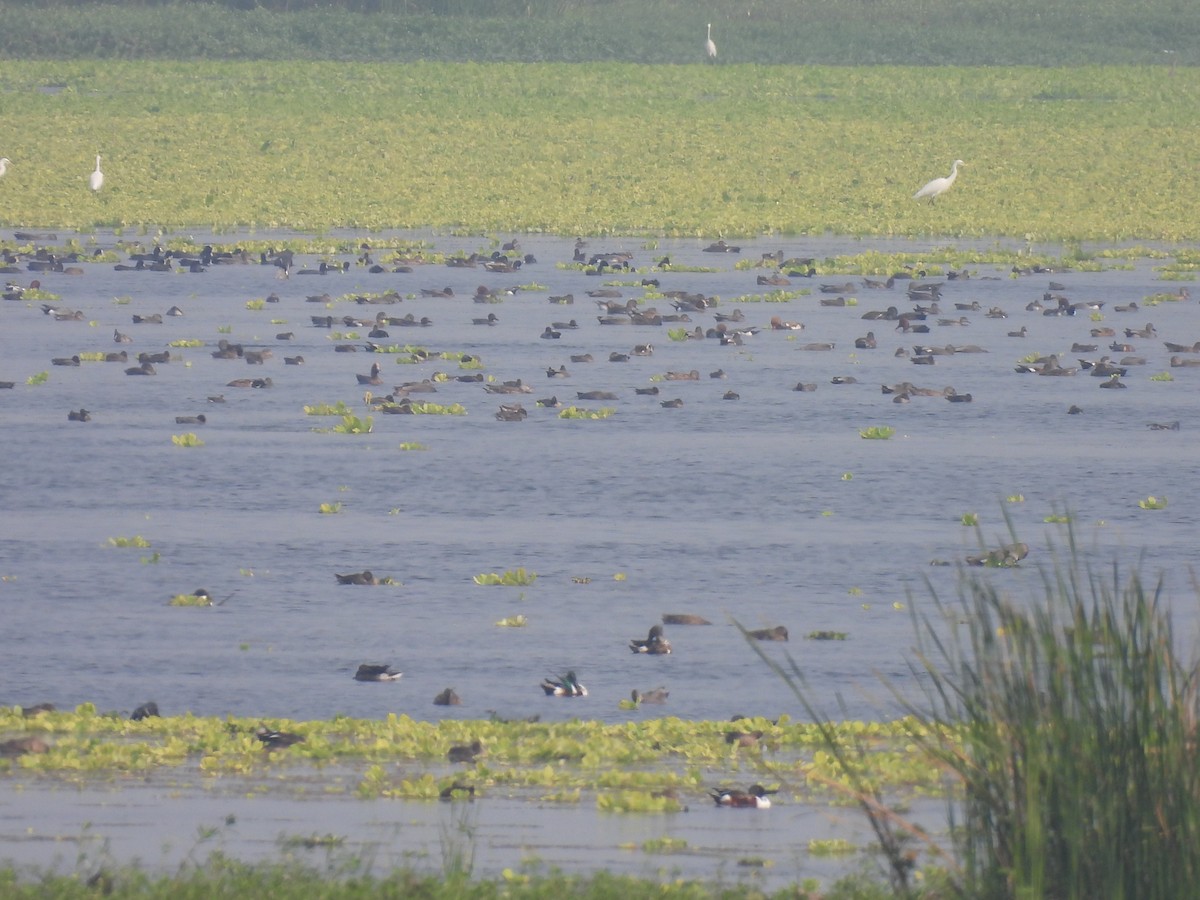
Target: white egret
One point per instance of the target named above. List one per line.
(709, 47)
(939, 186)
(97, 178)
(4, 161)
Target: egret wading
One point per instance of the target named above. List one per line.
(939, 186)
(709, 47)
(96, 181)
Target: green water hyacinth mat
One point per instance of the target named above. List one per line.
(639, 763)
(1090, 153)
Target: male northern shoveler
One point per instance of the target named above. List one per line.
(564, 686)
(756, 797)
(654, 643)
(373, 672)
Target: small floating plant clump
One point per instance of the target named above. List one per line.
(352, 424)
(186, 342)
(826, 636)
(513, 578)
(876, 433)
(1153, 502)
(188, 439)
(437, 409)
(329, 509)
(970, 519)
(575, 412)
(412, 445)
(136, 541)
(517, 621)
(39, 378)
(326, 409)
(199, 598)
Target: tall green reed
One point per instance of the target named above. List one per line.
(1068, 725)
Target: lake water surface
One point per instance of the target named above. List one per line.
(768, 509)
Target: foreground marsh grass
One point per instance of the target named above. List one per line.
(1089, 153)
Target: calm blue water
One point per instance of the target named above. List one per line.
(731, 509)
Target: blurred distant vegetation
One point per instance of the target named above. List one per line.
(772, 32)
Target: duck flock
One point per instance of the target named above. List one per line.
(525, 339)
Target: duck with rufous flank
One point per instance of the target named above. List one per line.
(754, 798)
(564, 686)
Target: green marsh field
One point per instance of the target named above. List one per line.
(1096, 154)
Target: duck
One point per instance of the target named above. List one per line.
(755, 798)
(146, 368)
(275, 740)
(191, 420)
(363, 577)
(550, 334)
(560, 372)
(491, 319)
(778, 633)
(511, 412)
(779, 324)
(465, 753)
(654, 643)
(684, 619)
(1147, 332)
(148, 710)
(675, 403)
(374, 672)
(65, 361)
(372, 378)
(119, 338)
(721, 246)
(582, 358)
(657, 695)
(79, 415)
(448, 697)
(867, 342)
(693, 375)
(119, 357)
(564, 686)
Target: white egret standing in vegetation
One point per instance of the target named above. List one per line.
(4, 161)
(939, 186)
(97, 178)
(709, 47)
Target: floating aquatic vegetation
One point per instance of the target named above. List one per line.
(826, 636)
(329, 509)
(970, 519)
(90, 356)
(877, 432)
(1057, 519)
(198, 599)
(344, 336)
(412, 445)
(513, 577)
(517, 621)
(186, 342)
(830, 847)
(224, 329)
(352, 424)
(575, 412)
(1015, 498)
(437, 409)
(678, 334)
(135, 541)
(39, 378)
(188, 439)
(1162, 376)
(847, 476)
(1153, 502)
(256, 304)
(324, 409)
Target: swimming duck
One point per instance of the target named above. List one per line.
(755, 797)
(448, 697)
(65, 361)
(363, 577)
(145, 368)
(564, 686)
(122, 356)
(867, 342)
(684, 619)
(80, 415)
(550, 334)
(373, 672)
(372, 378)
(676, 403)
(491, 319)
(654, 643)
(275, 740)
(191, 420)
(778, 633)
(658, 695)
(465, 753)
(778, 324)
(511, 412)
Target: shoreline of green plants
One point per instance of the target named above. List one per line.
(603, 149)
